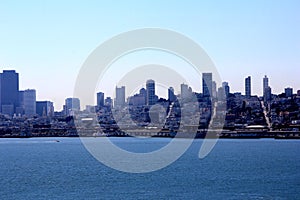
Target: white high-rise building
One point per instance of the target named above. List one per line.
(184, 91)
(120, 97)
(29, 102)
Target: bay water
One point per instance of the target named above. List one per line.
(61, 168)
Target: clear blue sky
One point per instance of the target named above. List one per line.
(47, 41)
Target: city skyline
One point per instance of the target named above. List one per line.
(151, 99)
(47, 42)
(25, 100)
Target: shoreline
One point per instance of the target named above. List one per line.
(278, 137)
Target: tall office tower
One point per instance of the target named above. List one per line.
(268, 94)
(108, 102)
(214, 89)
(207, 84)
(143, 93)
(20, 108)
(29, 102)
(226, 88)
(171, 95)
(120, 97)
(184, 91)
(221, 94)
(72, 105)
(150, 88)
(9, 94)
(265, 84)
(248, 87)
(100, 99)
(44, 108)
(288, 92)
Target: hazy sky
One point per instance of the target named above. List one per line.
(46, 42)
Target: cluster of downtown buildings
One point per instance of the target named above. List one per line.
(21, 111)
(14, 102)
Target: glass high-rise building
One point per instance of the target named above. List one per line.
(44, 108)
(9, 91)
(226, 88)
(248, 87)
(100, 99)
(214, 89)
(265, 84)
(108, 102)
(207, 84)
(150, 88)
(71, 105)
(143, 93)
(267, 92)
(288, 92)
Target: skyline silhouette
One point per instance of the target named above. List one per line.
(265, 82)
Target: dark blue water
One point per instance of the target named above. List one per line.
(40, 168)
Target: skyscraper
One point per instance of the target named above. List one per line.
(44, 108)
(265, 84)
(214, 89)
(184, 91)
(72, 105)
(267, 91)
(207, 84)
(29, 102)
(108, 102)
(171, 95)
(150, 88)
(268, 94)
(100, 99)
(226, 88)
(288, 92)
(248, 87)
(9, 94)
(120, 97)
(221, 94)
(20, 108)
(143, 93)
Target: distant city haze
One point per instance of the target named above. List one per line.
(47, 42)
